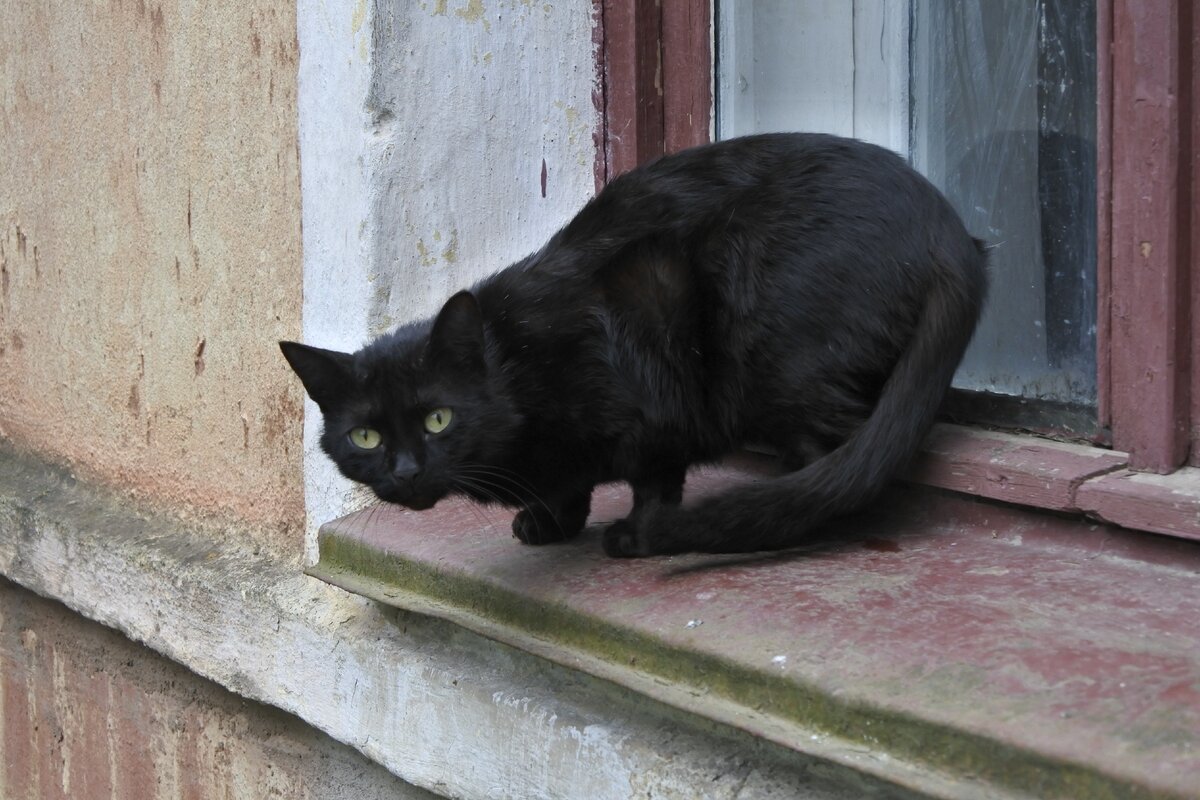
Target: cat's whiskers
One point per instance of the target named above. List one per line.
(518, 485)
(481, 513)
(495, 491)
(364, 519)
(494, 478)
(520, 489)
(475, 486)
(478, 510)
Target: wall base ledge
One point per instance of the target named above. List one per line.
(439, 706)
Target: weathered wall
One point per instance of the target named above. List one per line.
(150, 214)
(150, 248)
(440, 141)
(86, 714)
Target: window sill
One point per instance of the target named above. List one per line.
(1059, 476)
(947, 642)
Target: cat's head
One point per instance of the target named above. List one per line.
(416, 412)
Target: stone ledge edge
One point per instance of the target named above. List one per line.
(197, 597)
(921, 755)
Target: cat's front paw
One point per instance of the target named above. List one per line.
(533, 528)
(623, 540)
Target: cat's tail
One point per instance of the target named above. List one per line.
(779, 512)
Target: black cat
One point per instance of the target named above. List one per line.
(806, 291)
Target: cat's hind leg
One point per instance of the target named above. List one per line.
(802, 451)
(662, 529)
(557, 519)
(655, 525)
(666, 486)
(661, 489)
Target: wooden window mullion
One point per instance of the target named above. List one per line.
(1193, 202)
(1149, 324)
(687, 73)
(656, 73)
(633, 113)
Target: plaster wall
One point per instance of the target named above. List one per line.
(150, 249)
(439, 142)
(86, 714)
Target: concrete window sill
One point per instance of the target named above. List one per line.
(941, 643)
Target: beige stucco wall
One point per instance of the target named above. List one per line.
(150, 249)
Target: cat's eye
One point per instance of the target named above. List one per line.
(365, 438)
(437, 420)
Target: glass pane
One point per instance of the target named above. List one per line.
(837, 66)
(1003, 120)
(993, 100)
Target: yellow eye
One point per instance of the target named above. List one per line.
(437, 420)
(365, 438)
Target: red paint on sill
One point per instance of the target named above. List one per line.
(1053, 636)
(1167, 504)
(1010, 467)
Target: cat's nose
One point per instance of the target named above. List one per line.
(405, 470)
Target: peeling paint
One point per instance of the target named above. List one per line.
(474, 12)
(450, 254)
(577, 128)
(425, 258)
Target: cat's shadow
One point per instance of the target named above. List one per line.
(853, 532)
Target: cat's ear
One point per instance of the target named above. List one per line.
(326, 374)
(456, 342)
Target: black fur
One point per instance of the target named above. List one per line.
(804, 291)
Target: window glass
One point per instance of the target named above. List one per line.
(993, 100)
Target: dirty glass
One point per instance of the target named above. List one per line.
(993, 100)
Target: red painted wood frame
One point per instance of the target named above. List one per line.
(656, 78)
(1146, 342)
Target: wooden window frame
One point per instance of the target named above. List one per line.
(655, 81)
(1146, 341)
(654, 72)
